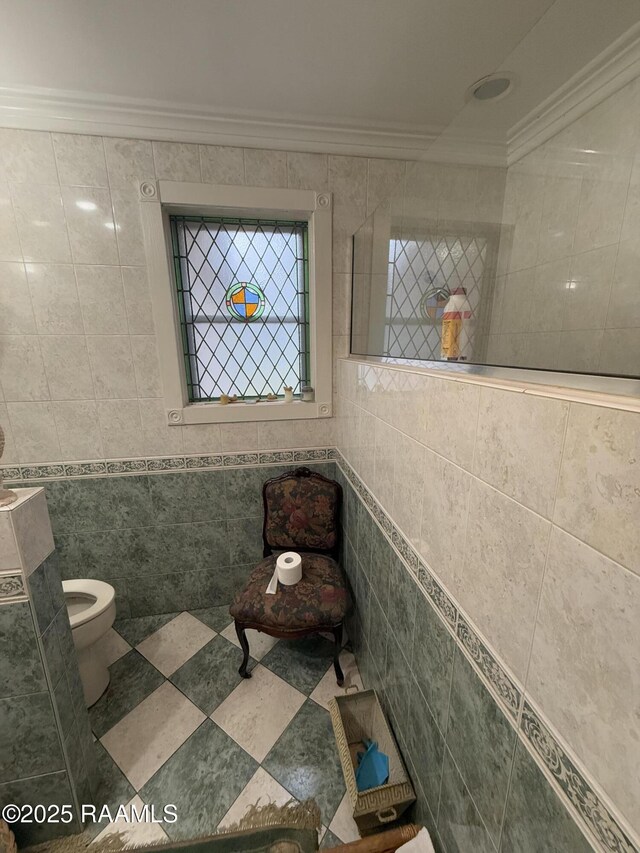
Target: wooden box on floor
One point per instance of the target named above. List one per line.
(357, 717)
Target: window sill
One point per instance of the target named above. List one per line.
(215, 413)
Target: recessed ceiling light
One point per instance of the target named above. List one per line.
(491, 87)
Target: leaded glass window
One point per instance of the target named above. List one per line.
(243, 302)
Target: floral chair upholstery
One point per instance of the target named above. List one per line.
(301, 513)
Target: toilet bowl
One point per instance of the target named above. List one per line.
(92, 610)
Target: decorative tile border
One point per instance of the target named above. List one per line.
(203, 462)
(509, 693)
(155, 464)
(12, 589)
(85, 469)
(585, 801)
(171, 464)
(276, 456)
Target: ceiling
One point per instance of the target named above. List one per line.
(385, 73)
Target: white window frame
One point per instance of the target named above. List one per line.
(162, 198)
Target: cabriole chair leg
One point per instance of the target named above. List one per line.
(337, 638)
(244, 645)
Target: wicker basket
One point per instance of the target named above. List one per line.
(357, 717)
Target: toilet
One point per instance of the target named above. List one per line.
(92, 610)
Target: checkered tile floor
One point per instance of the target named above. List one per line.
(178, 725)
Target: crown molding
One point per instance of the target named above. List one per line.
(612, 69)
(67, 111)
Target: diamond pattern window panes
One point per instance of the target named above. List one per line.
(422, 272)
(243, 301)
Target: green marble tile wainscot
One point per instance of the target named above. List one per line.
(398, 680)
(123, 609)
(401, 609)
(459, 824)
(219, 586)
(217, 618)
(301, 663)
(210, 545)
(432, 659)
(364, 601)
(136, 629)
(54, 581)
(65, 705)
(210, 675)
(75, 687)
(377, 629)
(64, 637)
(29, 742)
(52, 653)
(351, 521)
(482, 743)
(171, 498)
(50, 789)
(244, 490)
(40, 598)
(76, 764)
(128, 552)
(535, 818)
(245, 540)
(20, 664)
(133, 678)
(425, 747)
(202, 778)
(188, 496)
(380, 568)
(421, 814)
(209, 499)
(364, 536)
(165, 593)
(101, 503)
(305, 760)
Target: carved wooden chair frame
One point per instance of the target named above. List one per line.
(336, 630)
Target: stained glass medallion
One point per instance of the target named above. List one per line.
(245, 301)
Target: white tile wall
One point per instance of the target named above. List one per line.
(75, 320)
(569, 253)
(527, 509)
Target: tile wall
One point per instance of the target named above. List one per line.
(523, 509)
(567, 294)
(46, 748)
(169, 541)
(79, 375)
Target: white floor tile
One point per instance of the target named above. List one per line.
(173, 644)
(261, 789)
(327, 688)
(259, 643)
(134, 833)
(257, 712)
(343, 825)
(114, 646)
(143, 740)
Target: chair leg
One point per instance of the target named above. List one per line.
(244, 645)
(337, 638)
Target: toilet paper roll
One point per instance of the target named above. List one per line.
(289, 568)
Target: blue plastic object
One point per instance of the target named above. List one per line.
(373, 767)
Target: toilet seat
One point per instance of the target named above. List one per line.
(98, 595)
